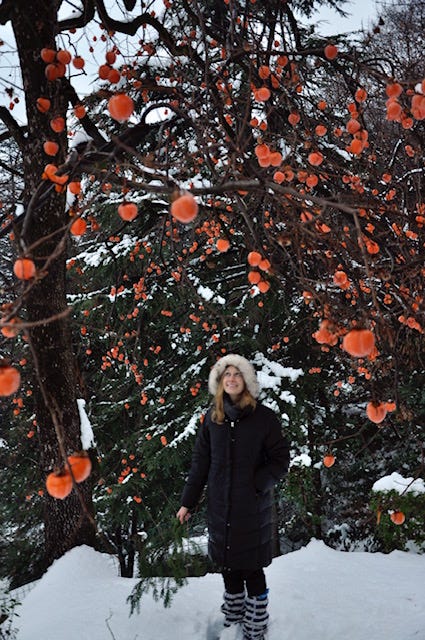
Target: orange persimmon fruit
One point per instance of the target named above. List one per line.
(320, 130)
(329, 460)
(264, 286)
(254, 258)
(330, 51)
(50, 173)
(262, 94)
(397, 517)
(127, 211)
(79, 111)
(24, 268)
(356, 146)
(110, 57)
(43, 104)
(50, 148)
(78, 62)
(359, 342)
(11, 331)
(315, 158)
(372, 247)
(120, 106)
(279, 177)
(394, 110)
(264, 71)
(376, 411)
(254, 277)
(294, 118)
(63, 56)
(340, 278)
(264, 264)
(360, 95)
(80, 464)
(114, 76)
(325, 335)
(75, 187)
(353, 126)
(59, 484)
(264, 161)
(52, 72)
(57, 124)
(48, 55)
(393, 89)
(103, 71)
(10, 380)
(184, 208)
(78, 227)
(275, 158)
(262, 151)
(312, 180)
(222, 245)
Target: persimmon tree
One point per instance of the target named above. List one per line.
(213, 130)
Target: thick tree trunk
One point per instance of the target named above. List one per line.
(67, 522)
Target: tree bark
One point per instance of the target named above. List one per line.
(68, 522)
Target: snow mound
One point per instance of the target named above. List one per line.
(315, 592)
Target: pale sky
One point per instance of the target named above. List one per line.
(362, 14)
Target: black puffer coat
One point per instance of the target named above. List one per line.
(240, 462)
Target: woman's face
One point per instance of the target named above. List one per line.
(233, 382)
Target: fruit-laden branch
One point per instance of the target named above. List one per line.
(130, 28)
(87, 160)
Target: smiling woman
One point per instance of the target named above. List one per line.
(233, 383)
(240, 453)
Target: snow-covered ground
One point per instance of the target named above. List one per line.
(316, 593)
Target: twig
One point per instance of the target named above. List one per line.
(109, 628)
(37, 323)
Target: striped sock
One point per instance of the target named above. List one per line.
(233, 608)
(256, 617)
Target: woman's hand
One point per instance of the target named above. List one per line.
(183, 515)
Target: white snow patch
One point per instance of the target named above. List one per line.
(302, 460)
(102, 254)
(396, 482)
(208, 294)
(87, 434)
(79, 137)
(288, 397)
(191, 429)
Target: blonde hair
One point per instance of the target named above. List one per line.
(246, 400)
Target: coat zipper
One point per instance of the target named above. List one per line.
(232, 441)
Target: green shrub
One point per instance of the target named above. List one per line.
(408, 535)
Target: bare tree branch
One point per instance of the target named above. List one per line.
(12, 126)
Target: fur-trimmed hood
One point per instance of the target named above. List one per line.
(241, 363)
